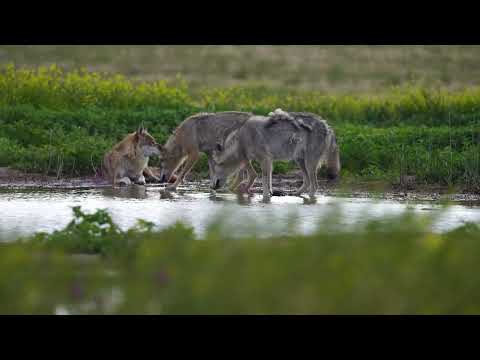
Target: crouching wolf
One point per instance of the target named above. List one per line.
(198, 133)
(128, 160)
(302, 137)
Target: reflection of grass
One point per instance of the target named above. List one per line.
(394, 266)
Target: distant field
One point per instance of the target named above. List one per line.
(332, 69)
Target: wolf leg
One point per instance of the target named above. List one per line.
(238, 179)
(124, 181)
(113, 162)
(210, 164)
(140, 180)
(252, 176)
(267, 177)
(191, 160)
(148, 173)
(109, 170)
(239, 185)
(312, 166)
(236, 182)
(306, 181)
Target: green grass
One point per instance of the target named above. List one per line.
(62, 123)
(395, 266)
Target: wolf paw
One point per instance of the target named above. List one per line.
(140, 181)
(278, 192)
(154, 179)
(124, 181)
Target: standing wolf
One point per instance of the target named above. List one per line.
(128, 160)
(303, 137)
(197, 133)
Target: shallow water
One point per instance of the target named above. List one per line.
(28, 211)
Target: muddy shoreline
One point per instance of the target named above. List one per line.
(283, 185)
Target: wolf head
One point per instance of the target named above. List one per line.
(146, 143)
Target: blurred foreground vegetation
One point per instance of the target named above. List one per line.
(395, 266)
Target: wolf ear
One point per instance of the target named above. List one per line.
(141, 130)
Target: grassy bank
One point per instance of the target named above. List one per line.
(394, 266)
(62, 123)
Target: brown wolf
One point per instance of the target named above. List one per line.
(128, 160)
(197, 133)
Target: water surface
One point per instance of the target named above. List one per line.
(28, 211)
